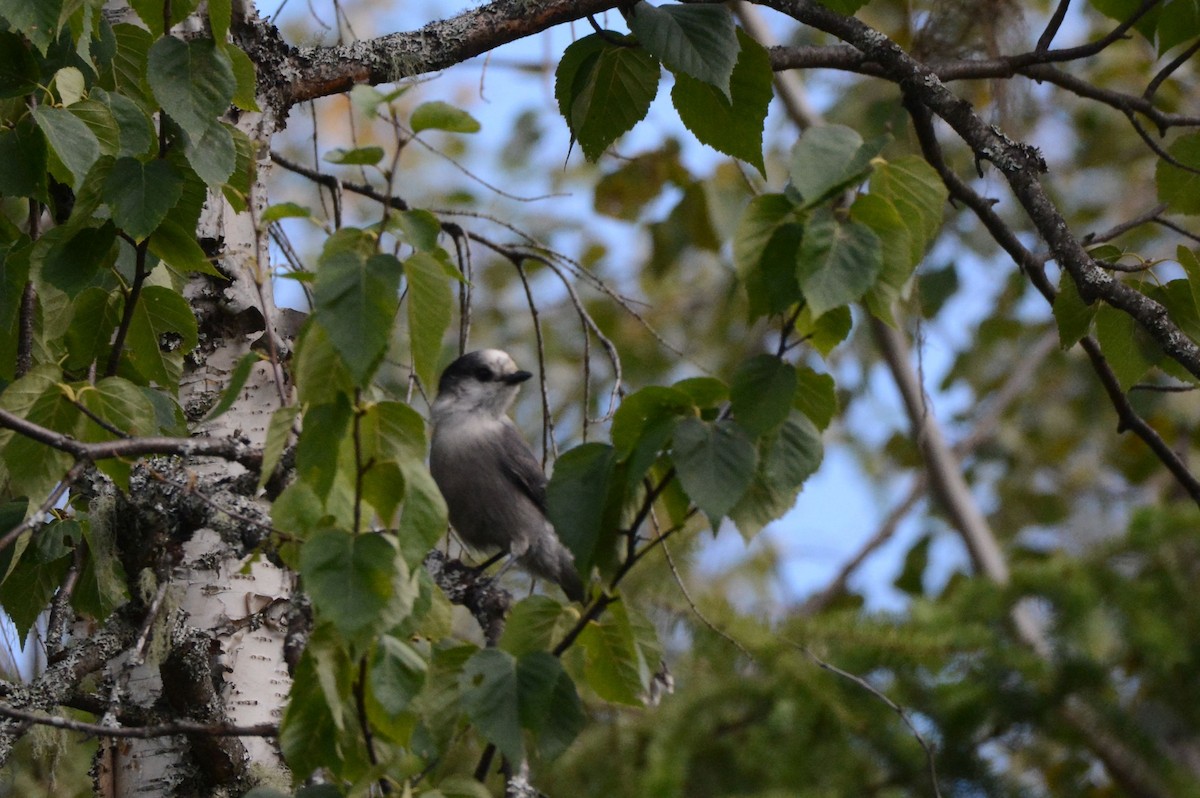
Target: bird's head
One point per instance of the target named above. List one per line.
(483, 381)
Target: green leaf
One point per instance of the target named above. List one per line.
(490, 695)
(1180, 188)
(614, 664)
(816, 396)
(827, 331)
(547, 702)
(23, 159)
(151, 12)
(236, 189)
(355, 300)
(1191, 267)
(308, 732)
(770, 282)
(765, 214)
(246, 74)
(1071, 314)
(1127, 348)
(162, 331)
(100, 120)
(912, 577)
(38, 20)
(392, 437)
(73, 262)
(349, 578)
(220, 14)
(786, 459)
(577, 499)
(141, 194)
(279, 432)
(423, 518)
(320, 374)
(837, 262)
(135, 130)
(1178, 22)
(178, 248)
(284, 210)
(918, 194)
(730, 124)
(211, 152)
(430, 306)
(34, 468)
(643, 410)
(715, 462)
(392, 431)
(438, 115)
(192, 81)
(419, 228)
(396, 675)
(362, 156)
(27, 590)
(298, 511)
(603, 90)
(128, 75)
(325, 426)
(18, 67)
(72, 141)
(535, 624)
(69, 83)
(830, 159)
(706, 393)
(881, 216)
(761, 393)
(94, 315)
(697, 41)
(102, 582)
(121, 404)
(237, 381)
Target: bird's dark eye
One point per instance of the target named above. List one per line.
(483, 374)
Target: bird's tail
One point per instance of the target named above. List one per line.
(550, 559)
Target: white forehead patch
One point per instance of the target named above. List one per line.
(498, 360)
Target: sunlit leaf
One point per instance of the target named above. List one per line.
(438, 115)
(430, 305)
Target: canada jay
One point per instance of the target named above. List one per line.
(493, 485)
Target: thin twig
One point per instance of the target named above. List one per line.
(880, 695)
(141, 732)
(1052, 26)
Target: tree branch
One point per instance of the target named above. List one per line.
(1020, 164)
(227, 448)
(314, 72)
(140, 732)
(1128, 419)
(59, 680)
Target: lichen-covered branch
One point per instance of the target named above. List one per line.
(312, 72)
(59, 681)
(1021, 165)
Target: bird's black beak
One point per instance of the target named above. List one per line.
(516, 377)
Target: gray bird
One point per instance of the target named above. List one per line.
(493, 485)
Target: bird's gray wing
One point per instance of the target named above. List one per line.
(522, 468)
